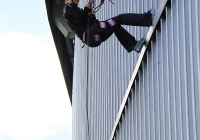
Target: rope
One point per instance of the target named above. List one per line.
(96, 9)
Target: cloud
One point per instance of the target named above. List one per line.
(34, 102)
(3, 27)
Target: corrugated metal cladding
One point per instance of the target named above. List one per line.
(165, 96)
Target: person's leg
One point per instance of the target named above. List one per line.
(125, 38)
(113, 25)
(134, 19)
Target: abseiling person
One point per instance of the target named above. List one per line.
(92, 31)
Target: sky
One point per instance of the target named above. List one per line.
(34, 103)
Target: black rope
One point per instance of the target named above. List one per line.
(87, 92)
(96, 9)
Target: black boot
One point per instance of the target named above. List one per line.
(138, 46)
(152, 12)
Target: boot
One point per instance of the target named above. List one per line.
(138, 46)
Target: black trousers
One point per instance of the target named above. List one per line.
(113, 25)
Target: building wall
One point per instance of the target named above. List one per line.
(164, 99)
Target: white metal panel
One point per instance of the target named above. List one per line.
(164, 101)
(165, 96)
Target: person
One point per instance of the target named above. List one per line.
(93, 32)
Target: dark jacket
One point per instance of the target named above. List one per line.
(77, 18)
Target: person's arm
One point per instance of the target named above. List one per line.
(80, 17)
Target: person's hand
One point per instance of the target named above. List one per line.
(102, 1)
(91, 1)
(87, 5)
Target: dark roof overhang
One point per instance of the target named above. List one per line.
(63, 38)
